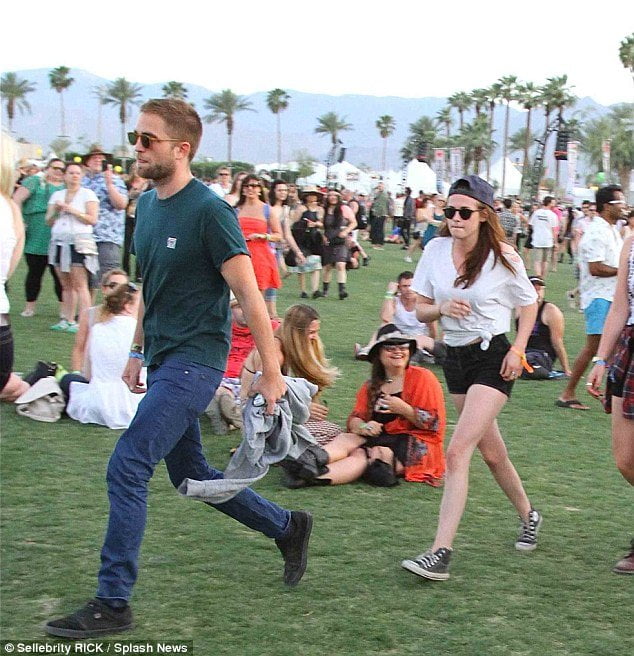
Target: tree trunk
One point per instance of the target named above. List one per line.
(491, 113)
(384, 156)
(505, 148)
(526, 147)
(229, 133)
(279, 139)
(62, 115)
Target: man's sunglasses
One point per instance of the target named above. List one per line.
(464, 212)
(146, 139)
(58, 168)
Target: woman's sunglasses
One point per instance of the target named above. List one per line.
(253, 185)
(146, 139)
(464, 212)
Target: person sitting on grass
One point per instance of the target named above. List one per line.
(396, 429)
(225, 409)
(399, 308)
(301, 354)
(103, 398)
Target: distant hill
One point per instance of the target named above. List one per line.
(254, 135)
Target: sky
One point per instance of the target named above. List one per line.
(400, 48)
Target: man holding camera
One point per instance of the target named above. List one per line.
(113, 199)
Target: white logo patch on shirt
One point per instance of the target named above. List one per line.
(171, 242)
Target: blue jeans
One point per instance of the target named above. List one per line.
(166, 427)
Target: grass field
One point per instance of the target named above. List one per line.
(205, 578)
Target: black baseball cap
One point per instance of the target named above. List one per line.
(536, 280)
(474, 187)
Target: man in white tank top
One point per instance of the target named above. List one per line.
(399, 308)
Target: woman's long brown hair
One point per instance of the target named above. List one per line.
(490, 238)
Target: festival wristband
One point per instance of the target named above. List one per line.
(523, 360)
(136, 355)
(601, 361)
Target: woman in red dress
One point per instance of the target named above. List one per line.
(259, 227)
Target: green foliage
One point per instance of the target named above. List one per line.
(626, 52)
(224, 106)
(332, 124)
(202, 169)
(206, 578)
(13, 91)
(305, 163)
(175, 90)
(423, 130)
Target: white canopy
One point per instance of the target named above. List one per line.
(513, 181)
(420, 176)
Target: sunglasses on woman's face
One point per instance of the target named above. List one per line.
(464, 212)
(396, 347)
(253, 185)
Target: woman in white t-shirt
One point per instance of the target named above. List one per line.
(471, 280)
(72, 212)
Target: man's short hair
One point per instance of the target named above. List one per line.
(605, 195)
(404, 275)
(508, 203)
(547, 200)
(181, 120)
(586, 203)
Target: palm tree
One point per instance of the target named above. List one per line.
(480, 99)
(13, 91)
(123, 94)
(60, 81)
(277, 102)
(422, 131)
(508, 85)
(494, 96)
(517, 143)
(100, 92)
(626, 53)
(618, 126)
(175, 90)
(461, 101)
(548, 99)
(224, 106)
(475, 138)
(443, 117)
(332, 124)
(564, 98)
(385, 125)
(528, 96)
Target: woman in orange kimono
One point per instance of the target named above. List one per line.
(396, 428)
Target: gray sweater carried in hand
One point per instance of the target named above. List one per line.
(266, 440)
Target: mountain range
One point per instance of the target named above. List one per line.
(254, 133)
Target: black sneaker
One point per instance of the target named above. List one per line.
(93, 620)
(318, 294)
(303, 295)
(294, 546)
(430, 565)
(527, 540)
(42, 369)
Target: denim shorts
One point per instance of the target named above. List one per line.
(596, 314)
(470, 365)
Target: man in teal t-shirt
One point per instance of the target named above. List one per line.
(32, 198)
(190, 250)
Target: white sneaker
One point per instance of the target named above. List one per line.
(407, 258)
(27, 313)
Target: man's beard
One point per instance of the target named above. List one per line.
(156, 172)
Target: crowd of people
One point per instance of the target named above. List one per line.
(152, 363)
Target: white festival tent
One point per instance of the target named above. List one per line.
(349, 176)
(513, 181)
(420, 176)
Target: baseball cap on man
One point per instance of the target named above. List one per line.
(474, 187)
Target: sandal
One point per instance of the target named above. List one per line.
(572, 404)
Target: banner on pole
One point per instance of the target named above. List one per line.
(573, 156)
(456, 163)
(440, 168)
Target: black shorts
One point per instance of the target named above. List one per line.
(470, 365)
(398, 443)
(76, 258)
